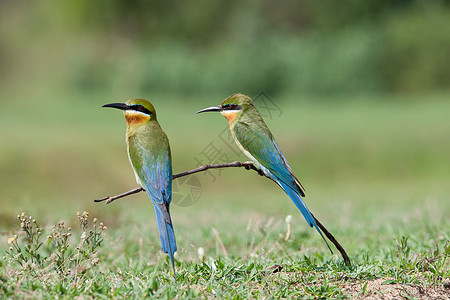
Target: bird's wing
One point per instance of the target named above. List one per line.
(154, 170)
(156, 176)
(263, 147)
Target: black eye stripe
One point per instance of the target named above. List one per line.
(139, 107)
(230, 106)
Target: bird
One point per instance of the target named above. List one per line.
(255, 140)
(150, 157)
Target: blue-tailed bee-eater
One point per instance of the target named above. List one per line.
(150, 157)
(255, 140)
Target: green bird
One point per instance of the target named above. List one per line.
(150, 157)
(255, 140)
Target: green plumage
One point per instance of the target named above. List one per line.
(149, 154)
(255, 140)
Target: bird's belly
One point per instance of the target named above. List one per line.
(138, 180)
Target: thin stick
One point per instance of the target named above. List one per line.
(110, 199)
(235, 164)
(248, 165)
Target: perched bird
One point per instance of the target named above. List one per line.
(255, 140)
(149, 155)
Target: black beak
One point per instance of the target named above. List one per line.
(213, 108)
(121, 106)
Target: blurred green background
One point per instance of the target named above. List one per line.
(362, 91)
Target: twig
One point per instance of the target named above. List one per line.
(248, 165)
(110, 199)
(235, 164)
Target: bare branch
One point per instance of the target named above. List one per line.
(110, 199)
(235, 164)
(248, 165)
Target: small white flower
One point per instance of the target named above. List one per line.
(213, 265)
(200, 252)
(288, 219)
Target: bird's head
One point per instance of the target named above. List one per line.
(232, 107)
(136, 111)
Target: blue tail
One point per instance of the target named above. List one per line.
(167, 236)
(303, 209)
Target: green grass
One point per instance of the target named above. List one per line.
(259, 262)
(375, 171)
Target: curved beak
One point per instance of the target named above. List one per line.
(121, 106)
(212, 108)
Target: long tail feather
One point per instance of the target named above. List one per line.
(303, 209)
(167, 236)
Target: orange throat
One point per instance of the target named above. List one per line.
(135, 118)
(230, 115)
